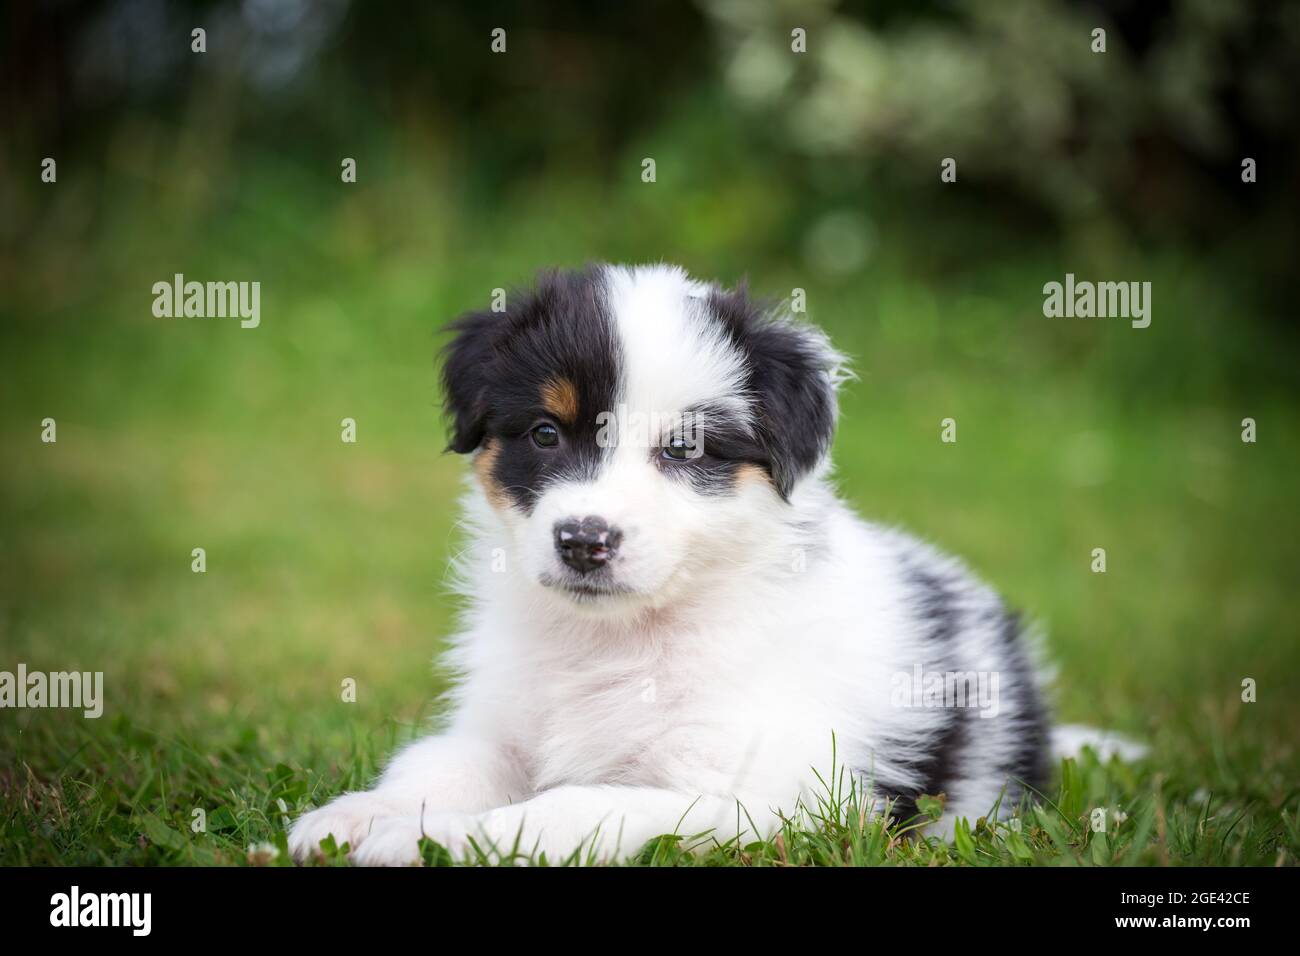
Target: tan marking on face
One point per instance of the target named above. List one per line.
(749, 473)
(484, 459)
(560, 398)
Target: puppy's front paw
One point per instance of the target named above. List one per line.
(348, 818)
(395, 841)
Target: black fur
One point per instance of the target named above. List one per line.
(726, 446)
(497, 364)
(1030, 767)
(937, 606)
(790, 378)
(1020, 702)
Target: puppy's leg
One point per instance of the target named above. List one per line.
(603, 822)
(442, 773)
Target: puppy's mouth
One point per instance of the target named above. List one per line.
(584, 590)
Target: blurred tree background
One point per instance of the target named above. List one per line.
(823, 164)
(816, 170)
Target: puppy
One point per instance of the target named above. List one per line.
(673, 624)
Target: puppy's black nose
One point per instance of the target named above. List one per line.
(587, 544)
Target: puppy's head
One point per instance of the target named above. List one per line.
(638, 433)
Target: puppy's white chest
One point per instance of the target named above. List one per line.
(597, 727)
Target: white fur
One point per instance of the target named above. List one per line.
(705, 700)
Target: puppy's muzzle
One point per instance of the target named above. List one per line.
(586, 545)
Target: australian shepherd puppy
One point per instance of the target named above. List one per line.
(673, 624)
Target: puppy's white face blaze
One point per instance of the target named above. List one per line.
(636, 431)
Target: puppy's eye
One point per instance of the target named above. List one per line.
(679, 449)
(545, 435)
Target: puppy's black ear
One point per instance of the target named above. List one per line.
(467, 364)
(793, 374)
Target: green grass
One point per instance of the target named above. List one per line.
(325, 561)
